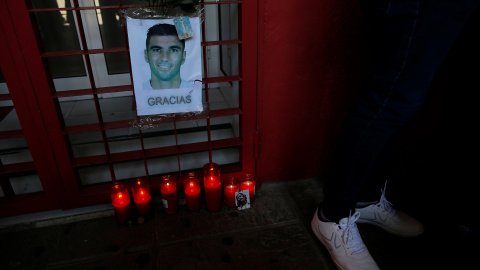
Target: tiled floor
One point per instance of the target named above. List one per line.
(274, 234)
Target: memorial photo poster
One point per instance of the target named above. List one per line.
(166, 70)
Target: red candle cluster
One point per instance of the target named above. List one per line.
(122, 203)
(168, 188)
(140, 191)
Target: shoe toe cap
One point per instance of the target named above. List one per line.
(410, 226)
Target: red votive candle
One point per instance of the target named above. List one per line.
(248, 182)
(192, 192)
(121, 202)
(213, 186)
(229, 193)
(168, 188)
(142, 197)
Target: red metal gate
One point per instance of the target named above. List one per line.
(69, 81)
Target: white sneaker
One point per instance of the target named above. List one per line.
(382, 214)
(344, 243)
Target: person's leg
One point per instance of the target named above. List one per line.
(413, 38)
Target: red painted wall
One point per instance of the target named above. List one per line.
(310, 61)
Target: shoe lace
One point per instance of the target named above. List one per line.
(351, 237)
(385, 204)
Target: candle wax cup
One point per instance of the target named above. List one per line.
(121, 205)
(192, 194)
(213, 193)
(169, 197)
(229, 193)
(251, 189)
(142, 199)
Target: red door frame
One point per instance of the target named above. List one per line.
(45, 133)
(33, 129)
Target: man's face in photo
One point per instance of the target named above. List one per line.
(165, 55)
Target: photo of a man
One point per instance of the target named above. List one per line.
(165, 53)
(166, 70)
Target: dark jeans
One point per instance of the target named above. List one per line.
(411, 39)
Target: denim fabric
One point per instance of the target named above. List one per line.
(411, 39)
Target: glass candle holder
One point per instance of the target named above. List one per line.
(168, 188)
(191, 186)
(121, 202)
(142, 197)
(213, 186)
(229, 192)
(248, 182)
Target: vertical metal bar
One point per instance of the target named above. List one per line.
(125, 39)
(93, 86)
(207, 98)
(143, 153)
(178, 150)
(240, 85)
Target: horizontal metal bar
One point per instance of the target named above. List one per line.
(19, 199)
(82, 128)
(96, 126)
(81, 8)
(225, 143)
(130, 122)
(116, 7)
(118, 124)
(11, 134)
(4, 97)
(73, 93)
(225, 112)
(155, 152)
(132, 155)
(221, 42)
(17, 167)
(90, 160)
(221, 79)
(103, 159)
(220, 2)
(83, 52)
(100, 90)
(163, 151)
